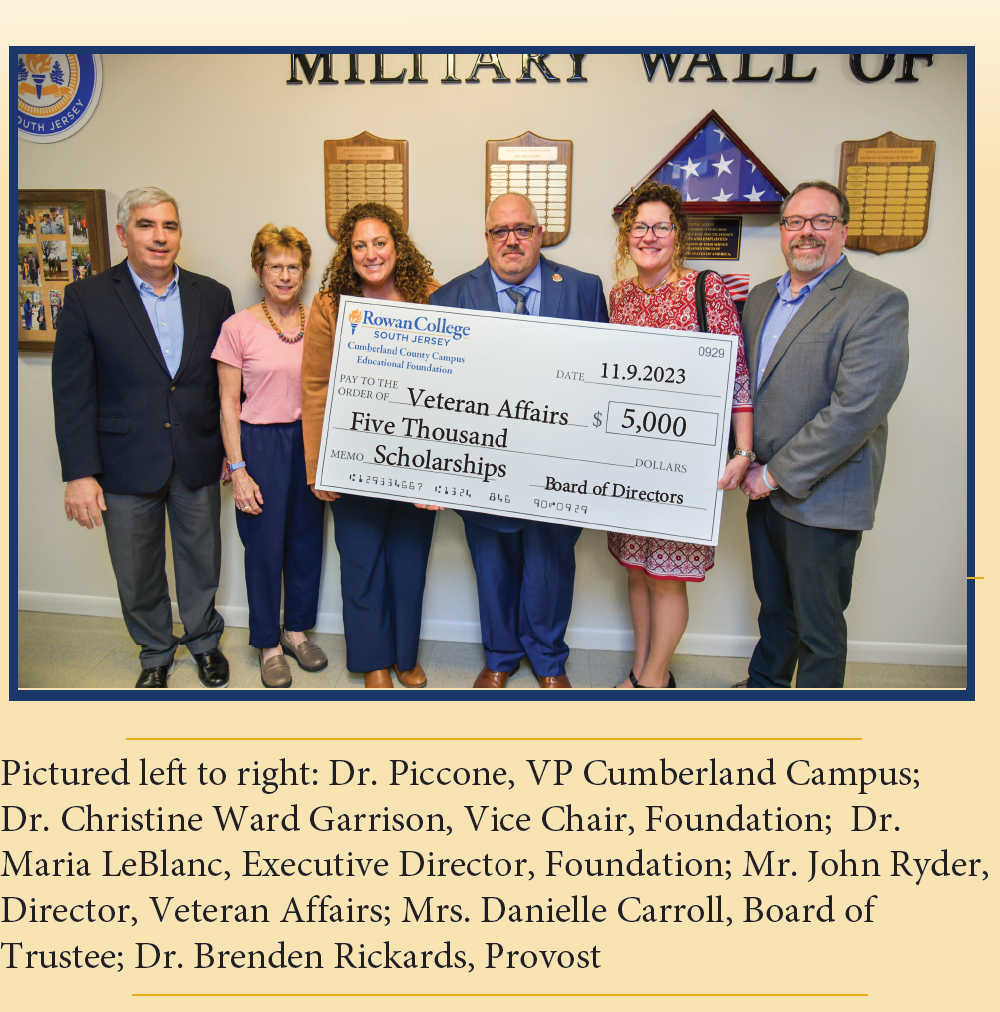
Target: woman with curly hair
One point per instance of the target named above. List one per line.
(652, 234)
(383, 544)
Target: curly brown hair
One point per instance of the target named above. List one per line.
(648, 193)
(413, 269)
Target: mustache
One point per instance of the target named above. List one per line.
(796, 243)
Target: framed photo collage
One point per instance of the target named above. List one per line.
(62, 236)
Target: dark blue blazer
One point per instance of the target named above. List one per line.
(119, 414)
(578, 296)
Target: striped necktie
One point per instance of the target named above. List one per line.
(519, 295)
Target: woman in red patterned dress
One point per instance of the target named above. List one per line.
(653, 234)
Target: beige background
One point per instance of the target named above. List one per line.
(244, 148)
(928, 951)
(928, 947)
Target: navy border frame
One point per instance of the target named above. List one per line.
(968, 694)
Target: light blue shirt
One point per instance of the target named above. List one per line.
(164, 312)
(532, 303)
(782, 312)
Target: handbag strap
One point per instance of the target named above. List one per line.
(699, 298)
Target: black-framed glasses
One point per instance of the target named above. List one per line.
(521, 231)
(661, 229)
(821, 222)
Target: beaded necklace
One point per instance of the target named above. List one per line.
(279, 331)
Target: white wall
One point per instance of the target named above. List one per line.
(238, 147)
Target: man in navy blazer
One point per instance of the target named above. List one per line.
(524, 568)
(136, 399)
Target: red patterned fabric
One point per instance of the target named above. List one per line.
(674, 306)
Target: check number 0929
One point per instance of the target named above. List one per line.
(677, 424)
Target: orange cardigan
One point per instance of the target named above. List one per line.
(317, 356)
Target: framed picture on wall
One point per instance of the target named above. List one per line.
(62, 237)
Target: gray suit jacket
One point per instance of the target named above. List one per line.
(820, 411)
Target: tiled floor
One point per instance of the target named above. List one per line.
(77, 651)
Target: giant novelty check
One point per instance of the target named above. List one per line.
(592, 424)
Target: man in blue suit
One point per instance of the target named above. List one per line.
(524, 568)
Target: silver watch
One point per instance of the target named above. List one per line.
(745, 453)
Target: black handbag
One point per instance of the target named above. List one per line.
(699, 299)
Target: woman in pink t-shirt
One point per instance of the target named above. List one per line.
(280, 521)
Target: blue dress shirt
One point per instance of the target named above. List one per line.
(782, 312)
(534, 300)
(164, 312)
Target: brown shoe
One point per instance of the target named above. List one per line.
(415, 678)
(559, 682)
(275, 672)
(490, 679)
(308, 655)
(380, 679)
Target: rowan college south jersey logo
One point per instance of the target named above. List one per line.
(56, 94)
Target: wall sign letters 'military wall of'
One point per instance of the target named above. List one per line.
(742, 68)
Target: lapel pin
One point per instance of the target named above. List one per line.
(557, 277)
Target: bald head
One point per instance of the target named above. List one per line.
(523, 206)
(512, 258)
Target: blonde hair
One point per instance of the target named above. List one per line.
(271, 237)
(651, 192)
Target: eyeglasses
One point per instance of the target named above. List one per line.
(661, 229)
(275, 269)
(521, 231)
(822, 222)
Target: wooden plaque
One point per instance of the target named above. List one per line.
(887, 181)
(366, 168)
(62, 236)
(540, 168)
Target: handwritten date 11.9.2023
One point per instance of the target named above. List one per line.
(642, 373)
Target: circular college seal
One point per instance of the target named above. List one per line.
(56, 94)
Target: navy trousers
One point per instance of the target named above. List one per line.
(383, 548)
(803, 578)
(286, 539)
(525, 580)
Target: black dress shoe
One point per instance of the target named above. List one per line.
(213, 668)
(154, 678)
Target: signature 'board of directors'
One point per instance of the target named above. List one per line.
(592, 424)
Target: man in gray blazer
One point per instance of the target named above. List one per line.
(827, 353)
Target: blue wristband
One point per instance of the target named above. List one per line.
(235, 467)
(773, 488)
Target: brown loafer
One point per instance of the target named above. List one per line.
(415, 678)
(380, 679)
(490, 679)
(559, 682)
(308, 655)
(275, 672)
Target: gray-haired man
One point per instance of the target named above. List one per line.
(827, 353)
(137, 422)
